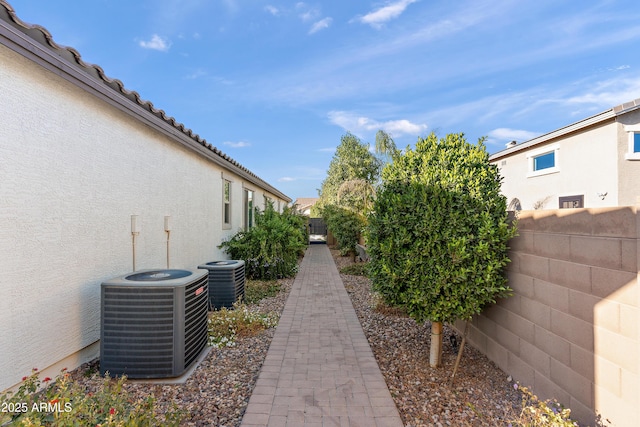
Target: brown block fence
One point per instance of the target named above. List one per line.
(571, 329)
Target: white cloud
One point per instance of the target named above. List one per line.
(320, 25)
(156, 43)
(608, 93)
(272, 10)
(588, 97)
(196, 74)
(327, 149)
(286, 179)
(307, 13)
(232, 5)
(357, 124)
(506, 134)
(385, 13)
(398, 127)
(238, 144)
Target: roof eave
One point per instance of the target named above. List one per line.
(590, 121)
(66, 63)
(574, 127)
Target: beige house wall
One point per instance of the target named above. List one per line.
(73, 169)
(628, 170)
(587, 164)
(571, 329)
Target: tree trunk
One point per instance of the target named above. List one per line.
(464, 340)
(435, 355)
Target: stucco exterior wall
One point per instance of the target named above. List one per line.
(571, 329)
(73, 170)
(587, 165)
(628, 170)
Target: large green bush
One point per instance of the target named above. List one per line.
(272, 247)
(438, 234)
(345, 225)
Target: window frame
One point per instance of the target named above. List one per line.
(248, 205)
(226, 204)
(633, 132)
(531, 156)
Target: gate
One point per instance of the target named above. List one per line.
(317, 230)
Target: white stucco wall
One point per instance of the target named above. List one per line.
(587, 165)
(628, 168)
(72, 172)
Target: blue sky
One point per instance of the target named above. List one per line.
(276, 83)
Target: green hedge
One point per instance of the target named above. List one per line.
(345, 225)
(272, 247)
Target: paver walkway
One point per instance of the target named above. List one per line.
(320, 370)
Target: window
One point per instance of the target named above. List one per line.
(248, 209)
(226, 204)
(570, 202)
(543, 161)
(633, 152)
(267, 200)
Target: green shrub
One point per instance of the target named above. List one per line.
(256, 290)
(272, 247)
(355, 269)
(64, 402)
(345, 225)
(226, 325)
(541, 413)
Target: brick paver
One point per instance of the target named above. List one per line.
(320, 370)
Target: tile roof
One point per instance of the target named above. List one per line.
(305, 202)
(42, 37)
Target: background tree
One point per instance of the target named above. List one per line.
(385, 146)
(352, 161)
(438, 233)
(357, 195)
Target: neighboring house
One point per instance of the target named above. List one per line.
(79, 156)
(591, 163)
(304, 204)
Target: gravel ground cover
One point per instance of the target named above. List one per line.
(481, 395)
(218, 391)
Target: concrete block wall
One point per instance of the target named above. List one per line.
(571, 329)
